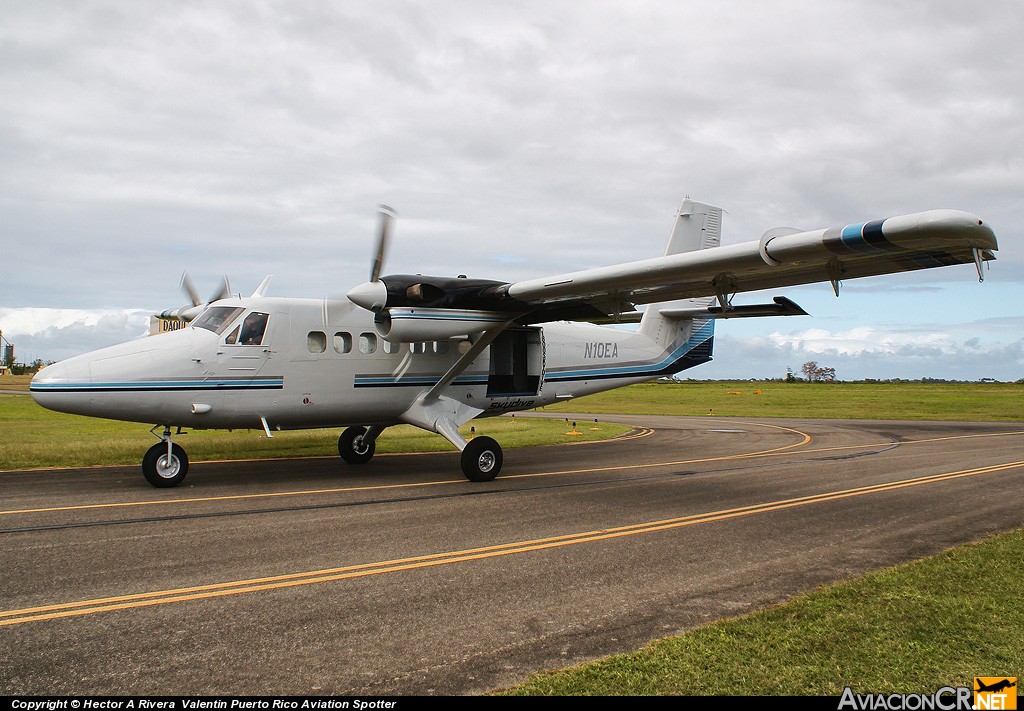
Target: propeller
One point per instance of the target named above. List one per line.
(387, 219)
(187, 313)
(189, 288)
(373, 295)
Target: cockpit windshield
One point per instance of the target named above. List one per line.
(217, 318)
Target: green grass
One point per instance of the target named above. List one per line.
(911, 629)
(876, 401)
(32, 437)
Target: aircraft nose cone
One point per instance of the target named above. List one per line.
(49, 385)
(371, 295)
(54, 373)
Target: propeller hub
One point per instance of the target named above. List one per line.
(371, 295)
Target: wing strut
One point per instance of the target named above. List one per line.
(443, 414)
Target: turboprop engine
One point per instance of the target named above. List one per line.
(409, 308)
(409, 325)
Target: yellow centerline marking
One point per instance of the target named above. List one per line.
(644, 432)
(278, 582)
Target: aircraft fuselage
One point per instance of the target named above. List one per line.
(322, 363)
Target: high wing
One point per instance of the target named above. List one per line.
(781, 258)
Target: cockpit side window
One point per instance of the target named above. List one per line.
(233, 336)
(217, 318)
(253, 328)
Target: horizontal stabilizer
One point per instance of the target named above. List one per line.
(781, 307)
(628, 317)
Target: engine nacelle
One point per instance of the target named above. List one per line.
(411, 325)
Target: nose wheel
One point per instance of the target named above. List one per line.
(165, 465)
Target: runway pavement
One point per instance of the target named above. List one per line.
(308, 576)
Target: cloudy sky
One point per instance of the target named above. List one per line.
(138, 141)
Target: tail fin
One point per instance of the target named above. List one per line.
(698, 226)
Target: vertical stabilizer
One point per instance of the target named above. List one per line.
(697, 226)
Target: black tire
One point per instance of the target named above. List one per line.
(158, 471)
(353, 446)
(481, 459)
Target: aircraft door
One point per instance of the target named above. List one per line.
(247, 347)
(516, 363)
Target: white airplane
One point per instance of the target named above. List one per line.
(436, 352)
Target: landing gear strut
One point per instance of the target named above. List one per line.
(166, 463)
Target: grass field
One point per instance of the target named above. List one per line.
(873, 401)
(31, 437)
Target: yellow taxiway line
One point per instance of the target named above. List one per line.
(278, 582)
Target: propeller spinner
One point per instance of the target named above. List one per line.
(373, 295)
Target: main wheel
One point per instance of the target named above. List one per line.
(162, 472)
(481, 459)
(354, 447)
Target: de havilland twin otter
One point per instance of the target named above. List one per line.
(436, 352)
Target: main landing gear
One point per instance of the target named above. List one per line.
(481, 459)
(166, 463)
(481, 456)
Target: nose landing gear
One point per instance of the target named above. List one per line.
(165, 464)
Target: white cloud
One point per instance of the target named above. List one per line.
(856, 355)
(54, 334)
(865, 339)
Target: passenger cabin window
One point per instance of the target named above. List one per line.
(316, 342)
(390, 347)
(253, 328)
(367, 343)
(217, 318)
(342, 342)
(440, 347)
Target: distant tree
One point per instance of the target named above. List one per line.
(826, 375)
(815, 373)
(790, 378)
(809, 369)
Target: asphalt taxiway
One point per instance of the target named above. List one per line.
(307, 576)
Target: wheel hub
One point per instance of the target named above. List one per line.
(486, 461)
(167, 469)
(359, 445)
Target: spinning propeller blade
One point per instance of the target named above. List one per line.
(372, 295)
(387, 218)
(190, 289)
(187, 313)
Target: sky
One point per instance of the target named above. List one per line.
(514, 140)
